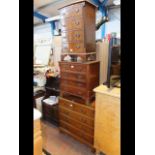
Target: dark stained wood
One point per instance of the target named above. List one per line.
(77, 119)
(78, 29)
(74, 76)
(79, 76)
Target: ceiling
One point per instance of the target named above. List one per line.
(49, 8)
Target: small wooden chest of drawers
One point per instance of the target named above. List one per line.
(77, 120)
(78, 28)
(79, 79)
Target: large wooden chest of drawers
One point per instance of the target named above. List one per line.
(78, 28)
(79, 79)
(77, 120)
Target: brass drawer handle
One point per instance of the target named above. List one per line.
(77, 22)
(77, 35)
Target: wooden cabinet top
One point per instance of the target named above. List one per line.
(79, 1)
(115, 92)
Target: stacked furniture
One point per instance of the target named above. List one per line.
(79, 75)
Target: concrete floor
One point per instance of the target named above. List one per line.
(58, 143)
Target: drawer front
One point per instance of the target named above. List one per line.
(77, 132)
(74, 83)
(76, 107)
(73, 67)
(78, 125)
(73, 47)
(72, 76)
(72, 23)
(72, 11)
(73, 90)
(73, 36)
(75, 116)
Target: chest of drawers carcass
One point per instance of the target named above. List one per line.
(78, 30)
(77, 120)
(78, 80)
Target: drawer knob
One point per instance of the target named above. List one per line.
(72, 66)
(71, 105)
(71, 50)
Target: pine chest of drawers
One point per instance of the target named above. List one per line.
(78, 80)
(77, 120)
(78, 30)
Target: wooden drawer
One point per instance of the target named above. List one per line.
(73, 90)
(73, 83)
(72, 11)
(73, 36)
(72, 23)
(73, 67)
(73, 76)
(76, 116)
(77, 132)
(73, 47)
(85, 110)
(78, 125)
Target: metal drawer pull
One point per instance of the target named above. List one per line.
(77, 35)
(71, 105)
(72, 66)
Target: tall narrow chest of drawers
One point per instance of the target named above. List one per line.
(78, 30)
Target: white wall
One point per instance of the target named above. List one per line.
(42, 32)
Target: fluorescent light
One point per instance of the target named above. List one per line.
(52, 18)
(116, 2)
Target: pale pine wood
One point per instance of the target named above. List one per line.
(107, 120)
(37, 134)
(102, 48)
